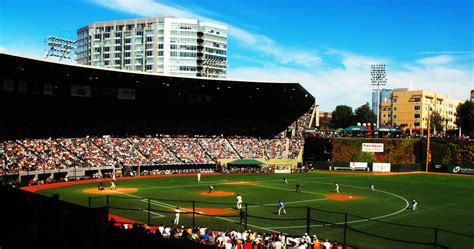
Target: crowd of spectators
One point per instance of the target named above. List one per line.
(218, 148)
(187, 150)
(225, 239)
(50, 154)
(60, 153)
(154, 150)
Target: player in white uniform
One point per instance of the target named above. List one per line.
(199, 176)
(239, 201)
(414, 203)
(112, 185)
(211, 188)
(176, 219)
(281, 207)
(337, 188)
(372, 187)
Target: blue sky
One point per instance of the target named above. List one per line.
(327, 46)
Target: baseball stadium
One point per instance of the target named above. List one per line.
(104, 158)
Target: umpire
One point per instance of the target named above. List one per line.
(242, 215)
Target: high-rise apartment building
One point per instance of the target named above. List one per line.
(164, 45)
(409, 109)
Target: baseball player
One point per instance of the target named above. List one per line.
(281, 207)
(337, 187)
(112, 185)
(199, 176)
(101, 186)
(371, 187)
(285, 180)
(211, 188)
(176, 219)
(413, 204)
(298, 188)
(239, 201)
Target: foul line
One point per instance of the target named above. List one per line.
(289, 202)
(361, 220)
(166, 205)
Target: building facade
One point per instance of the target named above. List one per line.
(385, 95)
(164, 45)
(410, 109)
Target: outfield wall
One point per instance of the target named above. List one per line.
(388, 150)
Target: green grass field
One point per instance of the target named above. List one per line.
(445, 202)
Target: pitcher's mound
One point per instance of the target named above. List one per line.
(107, 191)
(343, 197)
(217, 193)
(240, 183)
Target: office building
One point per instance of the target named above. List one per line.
(409, 109)
(164, 45)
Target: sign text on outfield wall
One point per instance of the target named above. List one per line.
(372, 147)
(461, 169)
(381, 167)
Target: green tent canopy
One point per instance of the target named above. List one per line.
(245, 162)
(355, 128)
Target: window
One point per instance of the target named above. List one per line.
(394, 108)
(416, 115)
(395, 116)
(416, 99)
(416, 124)
(417, 107)
(173, 53)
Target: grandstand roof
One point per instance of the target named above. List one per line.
(43, 98)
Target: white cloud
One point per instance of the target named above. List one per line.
(347, 83)
(448, 52)
(3, 49)
(350, 84)
(436, 60)
(249, 40)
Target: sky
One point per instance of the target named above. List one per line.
(327, 46)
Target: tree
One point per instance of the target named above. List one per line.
(363, 114)
(436, 122)
(342, 117)
(465, 117)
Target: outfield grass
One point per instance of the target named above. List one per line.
(445, 202)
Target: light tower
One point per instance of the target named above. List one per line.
(378, 78)
(60, 47)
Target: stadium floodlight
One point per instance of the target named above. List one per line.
(378, 78)
(59, 47)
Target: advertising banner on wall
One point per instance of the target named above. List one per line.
(358, 165)
(461, 169)
(81, 91)
(372, 147)
(381, 167)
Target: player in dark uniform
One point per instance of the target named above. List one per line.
(211, 188)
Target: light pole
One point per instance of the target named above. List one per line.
(379, 78)
(428, 154)
(60, 47)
